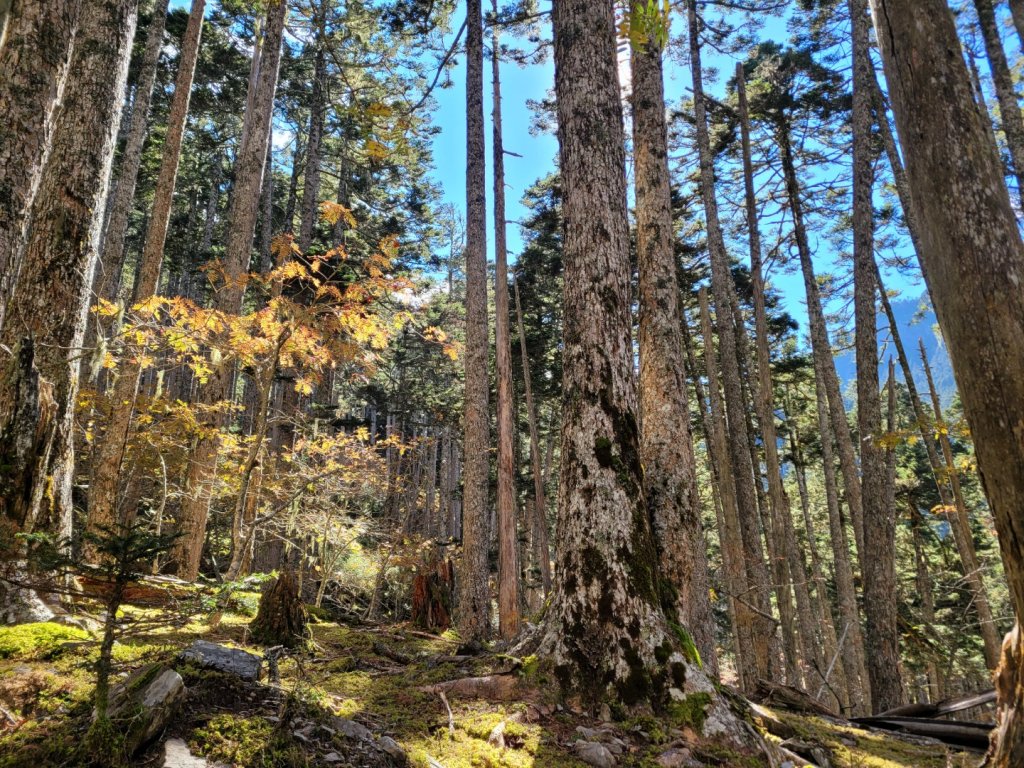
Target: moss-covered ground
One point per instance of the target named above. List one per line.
(375, 676)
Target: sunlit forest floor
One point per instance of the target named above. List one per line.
(354, 689)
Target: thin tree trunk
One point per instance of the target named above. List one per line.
(34, 58)
(759, 582)
(729, 533)
(853, 662)
(1009, 108)
(972, 249)
(542, 549)
(242, 214)
(878, 570)
(926, 591)
(960, 523)
(112, 257)
(1017, 11)
(109, 454)
(51, 296)
(820, 344)
(267, 206)
(508, 555)
(474, 595)
(317, 113)
(670, 482)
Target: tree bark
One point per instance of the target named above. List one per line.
(241, 227)
(1009, 108)
(474, 594)
(508, 545)
(881, 636)
(1017, 11)
(759, 582)
(960, 524)
(112, 256)
(821, 347)
(729, 528)
(317, 114)
(50, 297)
(972, 249)
(542, 549)
(670, 482)
(109, 454)
(34, 57)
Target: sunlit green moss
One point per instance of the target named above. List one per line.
(42, 640)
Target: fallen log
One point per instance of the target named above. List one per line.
(966, 735)
(788, 697)
(941, 708)
(491, 687)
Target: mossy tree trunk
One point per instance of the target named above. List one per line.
(666, 450)
(281, 616)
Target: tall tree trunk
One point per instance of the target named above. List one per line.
(820, 345)
(267, 210)
(926, 591)
(317, 114)
(112, 257)
(542, 549)
(960, 524)
(853, 661)
(241, 227)
(474, 594)
(765, 402)
(109, 454)
(881, 636)
(50, 297)
(759, 582)
(972, 250)
(34, 57)
(729, 530)
(670, 482)
(1009, 108)
(508, 541)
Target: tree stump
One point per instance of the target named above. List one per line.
(281, 618)
(432, 595)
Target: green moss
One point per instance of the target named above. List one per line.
(43, 640)
(690, 711)
(687, 646)
(251, 742)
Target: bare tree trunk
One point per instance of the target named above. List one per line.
(112, 257)
(670, 482)
(317, 113)
(1017, 11)
(474, 594)
(879, 519)
(853, 662)
(34, 57)
(267, 206)
(242, 214)
(960, 524)
(51, 296)
(923, 582)
(820, 345)
(1009, 108)
(729, 532)
(508, 555)
(972, 250)
(109, 454)
(759, 582)
(542, 549)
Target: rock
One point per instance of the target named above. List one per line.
(177, 755)
(350, 729)
(809, 751)
(144, 704)
(677, 757)
(595, 754)
(392, 749)
(231, 660)
(332, 757)
(588, 734)
(497, 737)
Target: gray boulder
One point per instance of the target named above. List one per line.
(231, 660)
(595, 754)
(145, 703)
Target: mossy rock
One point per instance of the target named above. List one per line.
(252, 742)
(42, 640)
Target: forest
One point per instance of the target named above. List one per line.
(522, 384)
